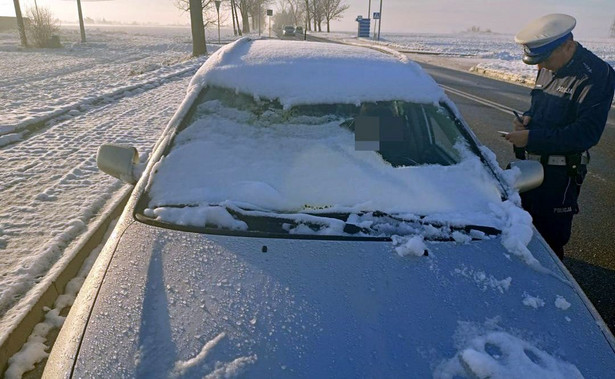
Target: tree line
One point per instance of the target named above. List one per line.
(249, 15)
(246, 16)
(309, 13)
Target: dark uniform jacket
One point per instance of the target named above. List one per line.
(569, 108)
(569, 111)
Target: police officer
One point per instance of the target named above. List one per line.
(570, 104)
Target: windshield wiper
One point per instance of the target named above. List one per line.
(488, 230)
(418, 222)
(268, 222)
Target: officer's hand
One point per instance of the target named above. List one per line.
(518, 137)
(517, 125)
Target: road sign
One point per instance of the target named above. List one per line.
(269, 12)
(363, 27)
(376, 15)
(217, 2)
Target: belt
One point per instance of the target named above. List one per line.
(555, 160)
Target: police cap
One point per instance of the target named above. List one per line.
(543, 35)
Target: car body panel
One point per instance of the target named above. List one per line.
(309, 308)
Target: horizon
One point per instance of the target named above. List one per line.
(594, 17)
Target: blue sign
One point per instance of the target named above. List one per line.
(376, 15)
(363, 27)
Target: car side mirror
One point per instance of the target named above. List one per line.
(118, 161)
(532, 175)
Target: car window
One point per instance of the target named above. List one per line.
(442, 136)
(240, 164)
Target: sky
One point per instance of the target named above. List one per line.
(594, 17)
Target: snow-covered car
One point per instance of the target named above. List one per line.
(337, 221)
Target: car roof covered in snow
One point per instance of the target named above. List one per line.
(302, 72)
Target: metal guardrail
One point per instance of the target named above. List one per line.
(14, 339)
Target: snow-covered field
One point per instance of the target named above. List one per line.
(121, 87)
(486, 53)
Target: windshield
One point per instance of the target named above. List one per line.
(376, 169)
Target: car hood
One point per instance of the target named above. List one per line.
(178, 304)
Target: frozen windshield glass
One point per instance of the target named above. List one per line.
(374, 169)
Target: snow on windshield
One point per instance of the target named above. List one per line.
(298, 72)
(305, 164)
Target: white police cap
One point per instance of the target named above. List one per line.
(543, 35)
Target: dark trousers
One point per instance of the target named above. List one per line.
(553, 204)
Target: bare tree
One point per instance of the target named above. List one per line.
(332, 10)
(244, 10)
(42, 26)
(289, 12)
(207, 7)
(199, 45)
(308, 15)
(257, 10)
(296, 10)
(317, 14)
(255, 13)
(205, 15)
(283, 15)
(236, 28)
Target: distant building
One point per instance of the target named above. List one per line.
(10, 23)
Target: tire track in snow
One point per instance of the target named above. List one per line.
(29, 127)
(51, 188)
(43, 78)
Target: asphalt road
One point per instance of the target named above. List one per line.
(590, 255)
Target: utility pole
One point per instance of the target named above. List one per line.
(20, 25)
(380, 21)
(81, 27)
(369, 14)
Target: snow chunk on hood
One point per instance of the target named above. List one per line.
(498, 354)
(414, 245)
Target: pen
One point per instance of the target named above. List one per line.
(517, 116)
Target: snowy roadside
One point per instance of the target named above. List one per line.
(53, 190)
(122, 87)
(69, 81)
(489, 54)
